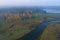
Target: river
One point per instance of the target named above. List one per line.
(38, 31)
(52, 10)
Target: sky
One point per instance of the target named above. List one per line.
(29, 2)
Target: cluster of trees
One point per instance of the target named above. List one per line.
(19, 16)
(12, 18)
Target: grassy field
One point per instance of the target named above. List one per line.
(17, 29)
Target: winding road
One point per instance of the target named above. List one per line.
(38, 31)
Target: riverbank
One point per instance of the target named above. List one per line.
(52, 32)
